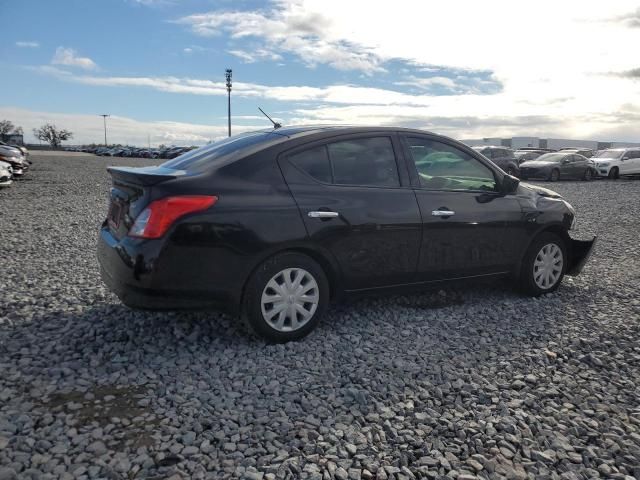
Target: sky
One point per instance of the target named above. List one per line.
(462, 68)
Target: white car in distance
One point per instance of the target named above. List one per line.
(615, 162)
(6, 174)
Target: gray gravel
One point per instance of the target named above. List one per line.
(473, 382)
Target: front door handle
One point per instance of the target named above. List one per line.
(443, 213)
(323, 214)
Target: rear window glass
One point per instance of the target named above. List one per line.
(209, 153)
(364, 161)
(314, 162)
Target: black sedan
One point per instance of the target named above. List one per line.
(272, 225)
(558, 166)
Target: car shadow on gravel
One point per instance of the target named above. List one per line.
(112, 336)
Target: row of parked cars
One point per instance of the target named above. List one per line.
(132, 152)
(566, 163)
(14, 162)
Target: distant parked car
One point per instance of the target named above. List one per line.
(502, 156)
(616, 162)
(6, 174)
(585, 152)
(559, 165)
(15, 158)
(22, 149)
(275, 224)
(525, 155)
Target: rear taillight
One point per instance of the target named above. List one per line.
(155, 220)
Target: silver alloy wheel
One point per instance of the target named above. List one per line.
(547, 266)
(290, 299)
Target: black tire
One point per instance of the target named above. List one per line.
(252, 301)
(554, 176)
(527, 281)
(614, 173)
(588, 175)
(511, 171)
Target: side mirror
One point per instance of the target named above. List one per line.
(625, 158)
(566, 160)
(509, 184)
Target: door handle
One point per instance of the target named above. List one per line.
(443, 213)
(323, 214)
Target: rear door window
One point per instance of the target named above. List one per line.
(314, 162)
(364, 161)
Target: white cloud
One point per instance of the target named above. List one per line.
(255, 55)
(505, 112)
(69, 57)
(124, 130)
(576, 74)
(563, 69)
(288, 28)
(23, 44)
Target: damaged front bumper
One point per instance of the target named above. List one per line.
(580, 251)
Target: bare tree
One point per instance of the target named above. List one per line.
(6, 127)
(50, 134)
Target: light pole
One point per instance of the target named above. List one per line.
(228, 77)
(104, 118)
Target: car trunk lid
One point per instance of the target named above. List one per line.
(131, 193)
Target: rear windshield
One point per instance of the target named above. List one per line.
(206, 155)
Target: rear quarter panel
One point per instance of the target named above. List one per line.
(254, 217)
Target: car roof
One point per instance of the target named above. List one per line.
(477, 147)
(301, 130)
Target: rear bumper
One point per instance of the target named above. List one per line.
(580, 252)
(133, 271)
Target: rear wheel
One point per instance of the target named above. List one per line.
(554, 176)
(285, 297)
(544, 265)
(588, 175)
(614, 173)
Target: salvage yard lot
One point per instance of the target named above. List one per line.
(467, 382)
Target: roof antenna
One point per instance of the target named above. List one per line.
(276, 125)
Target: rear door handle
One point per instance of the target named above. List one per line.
(323, 214)
(443, 213)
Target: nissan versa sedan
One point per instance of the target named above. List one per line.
(557, 166)
(273, 225)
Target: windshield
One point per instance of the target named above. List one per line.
(609, 154)
(551, 157)
(207, 154)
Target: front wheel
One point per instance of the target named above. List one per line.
(588, 175)
(554, 176)
(544, 265)
(285, 297)
(511, 171)
(614, 173)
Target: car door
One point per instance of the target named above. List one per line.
(581, 164)
(469, 227)
(357, 204)
(568, 167)
(630, 163)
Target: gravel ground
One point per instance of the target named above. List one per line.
(473, 382)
